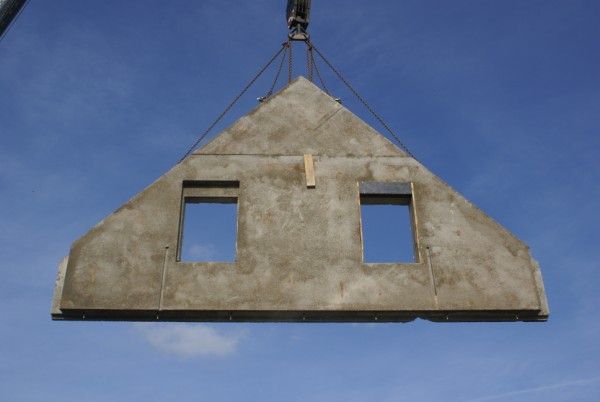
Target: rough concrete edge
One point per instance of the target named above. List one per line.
(497, 224)
(101, 223)
(132, 199)
(535, 267)
(537, 277)
(55, 311)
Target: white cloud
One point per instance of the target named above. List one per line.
(202, 252)
(189, 340)
(549, 387)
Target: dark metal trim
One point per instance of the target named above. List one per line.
(384, 188)
(9, 9)
(211, 183)
(301, 315)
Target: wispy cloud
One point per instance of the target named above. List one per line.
(202, 252)
(573, 383)
(189, 340)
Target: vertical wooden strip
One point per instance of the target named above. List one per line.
(415, 223)
(309, 169)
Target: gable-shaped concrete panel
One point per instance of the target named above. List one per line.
(299, 249)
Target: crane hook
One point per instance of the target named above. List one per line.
(297, 17)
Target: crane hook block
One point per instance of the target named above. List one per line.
(297, 16)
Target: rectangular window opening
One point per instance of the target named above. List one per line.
(208, 225)
(387, 223)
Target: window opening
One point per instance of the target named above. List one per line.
(387, 222)
(208, 225)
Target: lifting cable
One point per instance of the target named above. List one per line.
(316, 68)
(286, 46)
(311, 65)
(218, 119)
(362, 100)
(309, 59)
(290, 61)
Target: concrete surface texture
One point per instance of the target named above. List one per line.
(299, 248)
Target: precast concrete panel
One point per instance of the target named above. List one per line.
(299, 248)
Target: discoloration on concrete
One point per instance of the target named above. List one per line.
(299, 250)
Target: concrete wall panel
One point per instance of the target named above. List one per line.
(299, 249)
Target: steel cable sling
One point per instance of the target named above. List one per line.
(286, 49)
(233, 102)
(360, 98)
(316, 68)
(279, 69)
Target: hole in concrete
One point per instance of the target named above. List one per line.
(209, 229)
(386, 220)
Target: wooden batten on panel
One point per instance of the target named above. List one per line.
(309, 169)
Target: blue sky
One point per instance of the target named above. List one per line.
(501, 99)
